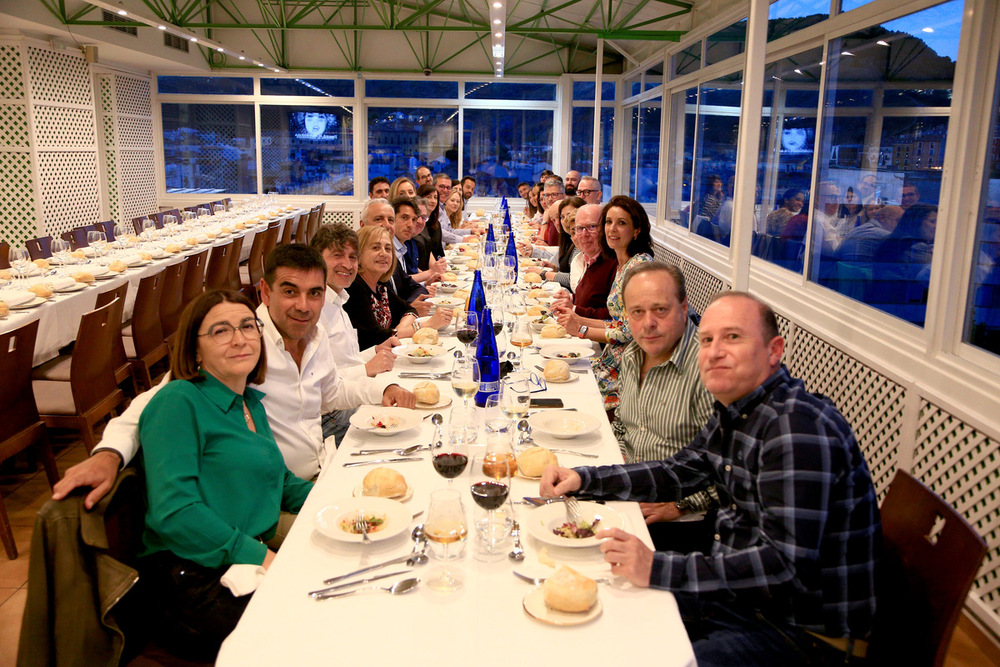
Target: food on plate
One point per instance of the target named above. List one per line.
(191, 240)
(43, 264)
(427, 393)
(173, 247)
(480, 212)
(532, 278)
(461, 294)
(425, 336)
(225, 230)
(384, 483)
(568, 590)
(117, 266)
(4, 309)
(43, 290)
(553, 331)
(373, 523)
(211, 235)
(448, 275)
(83, 277)
(556, 371)
(384, 422)
(534, 460)
(472, 264)
(146, 256)
(420, 352)
(567, 355)
(538, 294)
(535, 311)
(447, 286)
(578, 530)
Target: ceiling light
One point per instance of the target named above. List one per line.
(882, 42)
(498, 35)
(193, 39)
(798, 71)
(122, 12)
(846, 53)
(497, 21)
(221, 50)
(277, 70)
(497, 5)
(243, 57)
(161, 27)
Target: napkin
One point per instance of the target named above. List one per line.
(14, 299)
(60, 282)
(132, 260)
(202, 238)
(243, 579)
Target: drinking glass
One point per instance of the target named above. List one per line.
(465, 378)
(467, 328)
(20, 260)
(515, 397)
(521, 338)
(97, 241)
(60, 250)
(148, 229)
(121, 236)
(463, 426)
(446, 532)
(495, 420)
(491, 473)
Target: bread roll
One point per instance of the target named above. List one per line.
(426, 336)
(211, 235)
(384, 483)
(532, 278)
(553, 331)
(117, 266)
(41, 289)
(79, 254)
(191, 240)
(568, 590)
(146, 256)
(557, 370)
(225, 230)
(449, 276)
(538, 294)
(239, 225)
(5, 274)
(84, 277)
(480, 212)
(173, 247)
(43, 264)
(534, 460)
(4, 309)
(427, 393)
(472, 264)
(537, 311)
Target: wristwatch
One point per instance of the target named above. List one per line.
(582, 333)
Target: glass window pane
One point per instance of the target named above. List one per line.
(495, 90)
(606, 171)
(581, 157)
(402, 139)
(786, 16)
(506, 146)
(653, 76)
(307, 150)
(875, 210)
(847, 5)
(645, 156)
(584, 90)
(917, 97)
(684, 110)
(209, 148)
(728, 42)
(310, 87)
(205, 85)
(425, 89)
(686, 61)
(982, 321)
(715, 157)
(784, 169)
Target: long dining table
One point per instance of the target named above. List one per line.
(485, 621)
(59, 316)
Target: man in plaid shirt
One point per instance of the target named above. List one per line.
(790, 576)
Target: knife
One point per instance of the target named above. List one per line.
(393, 561)
(354, 464)
(321, 591)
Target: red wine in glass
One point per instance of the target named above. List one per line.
(450, 465)
(466, 336)
(490, 495)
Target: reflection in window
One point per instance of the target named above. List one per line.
(875, 210)
(717, 130)
(506, 146)
(205, 85)
(982, 323)
(307, 150)
(684, 110)
(645, 156)
(653, 76)
(495, 90)
(787, 142)
(424, 89)
(402, 139)
(209, 148)
(308, 87)
(582, 155)
(787, 16)
(584, 90)
(687, 60)
(728, 42)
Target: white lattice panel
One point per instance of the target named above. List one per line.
(17, 198)
(13, 126)
(132, 95)
(333, 217)
(61, 127)
(107, 87)
(135, 132)
(137, 184)
(111, 183)
(701, 286)
(664, 255)
(785, 329)
(959, 464)
(11, 74)
(871, 402)
(69, 190)
(57, 76)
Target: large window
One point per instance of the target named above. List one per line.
(402, 139)
(717, 129)
(209, 148)
(684, 112)
(506, 146)
(874, 212)
(205, 85)
(307, 150)
(645, 150)
(582, 138)
(308, 87)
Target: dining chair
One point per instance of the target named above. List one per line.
(271, 240)
(304, 232)
(930, 558)
(217, 273)
(288, 232)
(91, 393)
(4, 255)
(107, 226)
(194, 276)
(40, 248)
(314, 222)
(234, 282)
(20, 425)
(137, 222)
(144, 340)
(252, 270)
(172, 297)
(228, 202)
(77, 238)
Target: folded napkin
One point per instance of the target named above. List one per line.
(14, 298)
(32, 270)
(60, 282)
(132, 260)
(202, 238)
(243, 579)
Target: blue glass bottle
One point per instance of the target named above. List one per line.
(506, 221)
(511, 254)
(490, 246)
(488, 360)
(477, 296)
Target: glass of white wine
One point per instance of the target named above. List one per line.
(521, 338)
(465, 378)
(515, 397)
(446, 531)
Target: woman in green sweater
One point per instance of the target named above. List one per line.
(215, 479)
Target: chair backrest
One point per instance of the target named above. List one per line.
(77, 238)
(4, 255)
(270, 240)
(92, 371)
(287, 234)
(40, 248)
(147, 333)
(117, 297)
(234, 264)
(172, 297)
(258, 250)
(17, 402)
(137, 222)
(108, 227)
(228, 201)
(217, 274)
(312, 224)
(194, 276)
(931, 557)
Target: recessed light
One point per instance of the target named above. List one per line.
(277, 70)
(243, 57)
(846, 53)
(798, 71)
(193, 39)
(882, 42)
(497, 5)
(161, 27)
(928, 30)
(497, 21)
(498, 35)
(122, 12)
(221, 50)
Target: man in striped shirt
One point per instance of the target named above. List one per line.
(663, 402)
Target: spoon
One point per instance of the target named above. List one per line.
(402, 451)
(517, 553)
(525, 428)
(437, 420)
(398, 588)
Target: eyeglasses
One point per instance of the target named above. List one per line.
(223, 332)
(550, 195)
(586, 193)
(590, 229)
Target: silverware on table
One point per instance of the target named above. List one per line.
(354, 464)
(361, 522)
(538, 581)
(572, 453)
(398, 588)
(338, 587)
(572, 370)
(426, 376)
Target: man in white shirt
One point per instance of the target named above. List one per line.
(302, 381)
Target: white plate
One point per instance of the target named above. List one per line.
(443, 402)
(403, 352)
(447, 288)
(422, 322)
(359, 492)
(564, 424)
(561, 352)
(543, 520)
(75, 287)
(37, 301)
(534, 605)
(573, 377)
(397, 518)
(17, 298)
(447, 301)
(399, 419)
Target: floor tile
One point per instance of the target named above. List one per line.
(10, 626)
(14, 573)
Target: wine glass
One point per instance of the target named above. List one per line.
(148, 229)
(467, 328)
(446, 532)
(491, 473)
(121, 236)
(20, 260)
(450, 461)
(465, 378)
(495, 420)
(98, 241)
(521, 338)
(515, 397)
(60, 250)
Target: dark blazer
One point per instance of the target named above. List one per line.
(359, 309)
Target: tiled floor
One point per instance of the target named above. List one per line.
(25, 493)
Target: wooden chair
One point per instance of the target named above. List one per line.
(228, 201)
(20, 425)
(217, 274)
(77, 238)
(234, 282)
(172, 297)
(91, 393)
(304, 232)
(194, 276)
(253, 270)
(40, 248)
(271, 240)
(288, 233)
(137, 223)
(931, 557)
(108, 227)
(4, 255)
(144, 340)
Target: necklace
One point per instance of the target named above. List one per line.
(246, 416)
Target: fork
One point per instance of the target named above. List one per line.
(572, 510)
(359, 522)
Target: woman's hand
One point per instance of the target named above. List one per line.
(440, 318)
(408, 323)
(568, 319)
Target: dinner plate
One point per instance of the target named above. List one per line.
(359, 492)
(75, 287)
(543, 520)
(573, 377)
(564, 424)
(17, 298)
(397, 518)
(395, 420)
(446, 301)
(406, 352)
(443, 402)
(37, 301)
(569, 353)
(534, 606)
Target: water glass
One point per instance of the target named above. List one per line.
(463, 427)
(446, 533)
